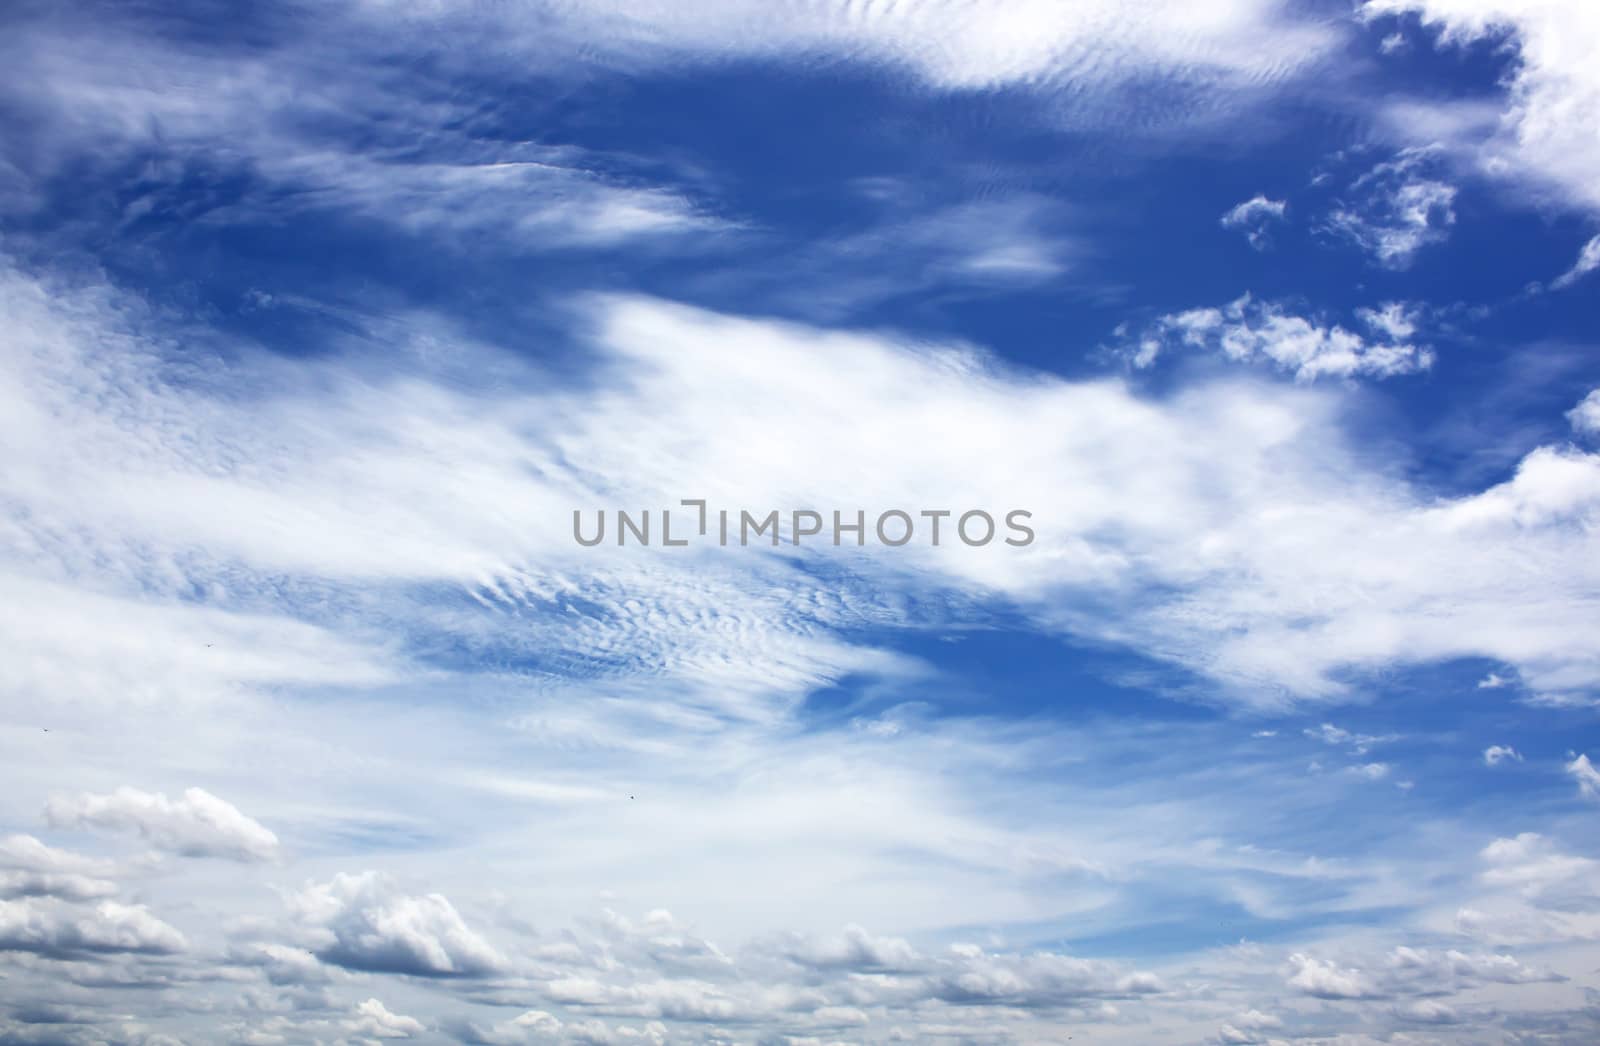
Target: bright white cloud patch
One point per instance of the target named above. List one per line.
(1588, 778)
(953, 45)
(1494, 755)
(319, 324)
(374, 1019)
(1255, 218)
(30, 868)
(196, 825)
(365, 922)
(1585, 417)
(52, 928)
(1545, 134)
(1247, 502)
(1588, 261)
(1396, 209)
(1248, 331)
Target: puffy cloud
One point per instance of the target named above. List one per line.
(1494, 755)
(1539, 894)
(1325, 979)
(1395, 209)
(1255, 217)
(855, 949)
(1428, 1011)
(1248, 331)
(680, 999)
(197, 825)
(51, 928)
(1532, 862)
(1424, 971)
(1411, 972)
(1585, 417)
(66, 885)
(30, 868)
(1545, 133)
(972, 976)
(374, 1019)
(363, 922)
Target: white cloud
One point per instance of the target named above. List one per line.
(1585, 417)
(50, 927)
(1396, 209)
(30, 868)
(1423, 970)
(364, 922)
(1327, 733)
(374, 1019)
(951, 45)
(1248, 331)
(30, 854)
(1540, 894)
(196, 825)
(1254, 217)
(1250, 1027)
(1588, 778)
(855, 949)
(1395, 320)
(1545, 133)
(534, 203)
(1588, 261)
(1242, 501)
(1494, 755)
(1325, 979)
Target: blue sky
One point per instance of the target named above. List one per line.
(321, 321)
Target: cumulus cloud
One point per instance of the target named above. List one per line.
(1255, 217)
(52, 928)
(1544, 134)
(1250, 331)
(1324, 979)
(1538, 893)
(1396, 209)
(855, 949)
(1494, 755)
(374, 1019)
(30, 868)
(364, 922)
(1585, 417)
(196, 825)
